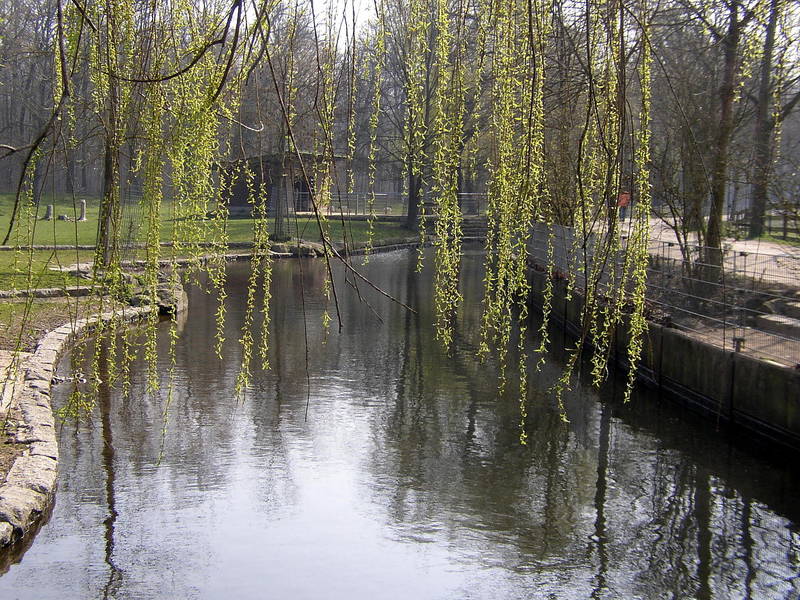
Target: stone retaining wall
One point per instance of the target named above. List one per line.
(29, 487)
(72, 291)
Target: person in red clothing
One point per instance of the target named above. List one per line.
(623, 201)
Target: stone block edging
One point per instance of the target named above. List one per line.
(30, 484)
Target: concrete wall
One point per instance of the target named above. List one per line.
(728, 387)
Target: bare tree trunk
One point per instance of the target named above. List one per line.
(719, 174)
(285, 189)
(110, 209)
(38, 182)
(107, 238)
(69, 171)
(764, 127)
(414, 188)
(695, 187)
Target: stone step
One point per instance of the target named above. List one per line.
(781, 324)
(792, 309)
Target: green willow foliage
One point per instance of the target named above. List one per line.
(448, 125)
(513, 41)
(167, 79)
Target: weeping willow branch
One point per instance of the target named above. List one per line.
(474, 90)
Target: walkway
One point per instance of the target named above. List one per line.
(773, 269)
(766, 260)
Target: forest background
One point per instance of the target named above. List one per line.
(552, 110)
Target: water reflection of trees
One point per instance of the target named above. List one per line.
(693, 520)
(622, 501)
(452, 449)
(634, 506)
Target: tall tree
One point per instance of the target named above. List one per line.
(730, 36)
(768, 116)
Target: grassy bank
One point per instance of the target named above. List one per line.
(20, 269)
(26, 269)
(32, 229)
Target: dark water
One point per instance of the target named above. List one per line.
(406, 479)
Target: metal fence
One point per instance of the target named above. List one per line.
(394, 203)
(364, 203)
(746, 303)
(741, 301)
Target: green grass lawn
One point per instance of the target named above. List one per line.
(20, 268)
(791, 239)
(34, 230)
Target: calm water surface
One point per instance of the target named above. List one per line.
(405, 479)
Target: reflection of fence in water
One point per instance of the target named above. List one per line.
(747, 304)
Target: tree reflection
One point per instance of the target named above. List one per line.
(625, 500)
(451, 454)
(104, 405)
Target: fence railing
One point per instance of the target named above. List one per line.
(753, 270)
(740, 301)
(783, 225)
(363, 203)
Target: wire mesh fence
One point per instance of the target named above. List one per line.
(132, 218)
(739, 300)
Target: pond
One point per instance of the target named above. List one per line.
(372, 464)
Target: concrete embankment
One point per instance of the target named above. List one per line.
(744, 392)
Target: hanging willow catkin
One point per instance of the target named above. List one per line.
(169, 76)
(374, 118)
(447, 132)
